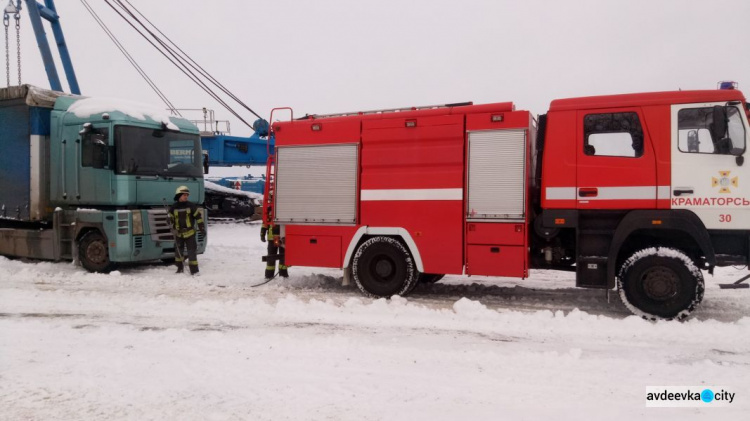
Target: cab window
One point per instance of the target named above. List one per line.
(613, 134)
(95, 149)
(695, 127)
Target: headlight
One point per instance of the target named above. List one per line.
(137, 223)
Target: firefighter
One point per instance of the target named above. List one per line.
(185, 217)
(272, 231)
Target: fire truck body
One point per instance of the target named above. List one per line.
(410, 195)
(403, 175)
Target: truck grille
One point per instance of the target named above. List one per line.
(159, 225)
(138, 242)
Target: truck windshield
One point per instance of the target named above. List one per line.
(143, 151)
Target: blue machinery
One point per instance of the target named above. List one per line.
(47, 11)
(221, 149)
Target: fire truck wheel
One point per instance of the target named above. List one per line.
(660, 283)
(383, 267)
(429, 278)
(93, 253)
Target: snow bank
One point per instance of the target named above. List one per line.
(89, 106)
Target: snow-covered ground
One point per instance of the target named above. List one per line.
(144, 343)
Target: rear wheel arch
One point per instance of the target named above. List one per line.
(365, 233)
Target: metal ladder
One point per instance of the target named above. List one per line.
(389, 110)
(268, 196)
(64, 223)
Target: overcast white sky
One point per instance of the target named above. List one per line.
(333, 55)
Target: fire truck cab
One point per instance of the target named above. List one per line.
(640, 192)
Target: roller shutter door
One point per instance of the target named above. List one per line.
(497, 174)
(316, 184)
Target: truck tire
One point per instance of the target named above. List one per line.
(660, 283)
(383, 267)
(430, 278)
(93, 253)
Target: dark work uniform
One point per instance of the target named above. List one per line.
(186, 218)
(273, 249)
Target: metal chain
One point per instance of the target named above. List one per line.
(6, 22)
(18, 44)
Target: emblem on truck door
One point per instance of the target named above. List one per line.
(723, 182)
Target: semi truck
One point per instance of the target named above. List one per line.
(88, 179)
(638, 192)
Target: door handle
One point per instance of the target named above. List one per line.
(588, 192)
(680, 192)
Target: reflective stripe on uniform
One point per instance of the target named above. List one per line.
(269, 267)
(193, 263)
(186, 234)
(282, 267)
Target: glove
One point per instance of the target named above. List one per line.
(263, 232)
(202, 227)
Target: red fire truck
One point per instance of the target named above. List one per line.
(641, 192)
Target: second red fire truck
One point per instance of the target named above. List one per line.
(640, 192)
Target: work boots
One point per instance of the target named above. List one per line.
(193, 269)
(269, 272)
(180, 267)
(283, 273)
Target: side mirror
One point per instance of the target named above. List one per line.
(87, 127)
(719, 125)
(205, 163)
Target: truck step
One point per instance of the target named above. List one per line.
(591, 272)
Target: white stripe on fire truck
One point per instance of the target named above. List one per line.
(561, 193)
(663, 192)
(611, 193)
(412, 194)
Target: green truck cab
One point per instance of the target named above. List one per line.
(89, 179)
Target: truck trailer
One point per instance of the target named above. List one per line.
(639, 192)
(89, 179)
